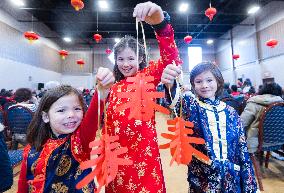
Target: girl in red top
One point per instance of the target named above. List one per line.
(145, 175)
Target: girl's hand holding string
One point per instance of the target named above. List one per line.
(170, 73)
(149, 12)
(105, 80)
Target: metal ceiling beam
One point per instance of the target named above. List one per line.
(125, 11)
(133, 23)
(125, 31)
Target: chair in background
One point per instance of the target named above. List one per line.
(18, 120)
(271, 134)
(16, 157)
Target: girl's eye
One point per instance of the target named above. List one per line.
(60, 110)
(120, 59)
(198, 81)
(210, 80)
(78, 109)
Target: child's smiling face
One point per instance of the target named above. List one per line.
(205, 85)
(64, 115)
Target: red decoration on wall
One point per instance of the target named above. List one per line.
(108, 51)
(272, 43)
(210, 12)
(180, 144)
(97, 37)
(31, 36)
(106, 162)
(236, 56)
(187, 39)
(63, 54)
(142, 101)
(81, 62)
(77, 4)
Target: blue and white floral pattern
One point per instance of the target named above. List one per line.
(231, 169)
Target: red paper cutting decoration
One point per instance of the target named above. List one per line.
(97, 37)
(31, 36)
(210, 12)
(236, 56)
(63, 54)
(108, 51)
(180, 144)
(81, 62)
(77, 4)
(272, 43)
(107, 161)
(142, 101)
(187, 39)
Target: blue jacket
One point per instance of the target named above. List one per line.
(6, 172)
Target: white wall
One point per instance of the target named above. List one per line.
(15, 75)
(257, 61)
(78, 81)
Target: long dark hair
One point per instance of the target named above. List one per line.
(208, 66)
(38, 131)
(127, 42)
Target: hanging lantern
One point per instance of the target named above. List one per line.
(210, 12)
(81, 62)
(236, 56)
(187, 39)
(77, 4)
(108, 51)
(63, 54)
(272, 43)
(97, 37)
(31, 36)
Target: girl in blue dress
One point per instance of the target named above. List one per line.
(230, 169)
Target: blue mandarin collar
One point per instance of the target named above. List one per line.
(209, 101)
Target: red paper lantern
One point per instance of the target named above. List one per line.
(77, 4)
(236, 56)
(63, 54)
(187, 39)
(272, 43)
(210, 12)
(97, 37)
(108, 51)
(31, 36)
(81, 62)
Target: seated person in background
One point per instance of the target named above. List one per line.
(235, 91)
(23, 97)
(227, 91)
(6, 174)
(269, 94)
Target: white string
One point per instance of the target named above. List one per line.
(137, 46)
(144, 40)
(137, 43)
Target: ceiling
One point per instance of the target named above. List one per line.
(63, 20)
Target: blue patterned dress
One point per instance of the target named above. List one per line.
(231, 169)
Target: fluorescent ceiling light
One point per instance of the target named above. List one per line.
(253, 9)
(103, 4)
(116, 40)
(67, 39)
(19, 3)
(183, 7)
(210, 41)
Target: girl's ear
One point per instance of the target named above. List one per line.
(45, 117)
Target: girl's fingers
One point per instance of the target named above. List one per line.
(108, 79)
(145, 11)
(152, 10)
